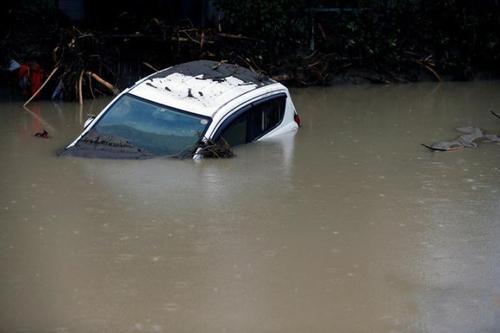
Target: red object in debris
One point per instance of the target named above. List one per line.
(36, 78)
(30, 78)
(23, 74)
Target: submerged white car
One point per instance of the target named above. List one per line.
(174, 111)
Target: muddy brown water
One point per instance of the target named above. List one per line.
(349, 226)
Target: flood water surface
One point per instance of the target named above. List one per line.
(348, 226)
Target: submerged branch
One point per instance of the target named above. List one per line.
(210, 149)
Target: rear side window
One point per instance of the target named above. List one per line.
(254, 121)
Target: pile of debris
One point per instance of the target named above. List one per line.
(469, 139)
(210, 149)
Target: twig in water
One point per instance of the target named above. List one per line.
(80, 93)
(90, 85)
(430, 69)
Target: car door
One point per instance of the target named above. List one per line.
(252, 121)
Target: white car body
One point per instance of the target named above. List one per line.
(218, 98)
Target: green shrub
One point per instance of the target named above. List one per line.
(283, 23)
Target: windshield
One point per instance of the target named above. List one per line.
(154, 128)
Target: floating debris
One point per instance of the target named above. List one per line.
(470, 139)
(44, 134)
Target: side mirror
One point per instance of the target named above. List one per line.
(88, 121)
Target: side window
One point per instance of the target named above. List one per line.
(255, 121)
(236, 133)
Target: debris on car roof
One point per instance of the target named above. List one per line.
(200, 86)
(215, 71)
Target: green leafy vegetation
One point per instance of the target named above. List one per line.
(396, 39)
(282, 23)
(298, 41)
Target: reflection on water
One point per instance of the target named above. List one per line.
(349, 226)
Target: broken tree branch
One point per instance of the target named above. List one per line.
(190, 38)
(430, 69)
(90, 85)
(80, 93)
(233, 36)
(148, 65)
(104, 83)
(42, 86)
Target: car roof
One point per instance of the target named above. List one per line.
(201, 86)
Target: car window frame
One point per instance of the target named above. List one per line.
(225, 123)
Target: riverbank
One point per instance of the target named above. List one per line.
(287, 40)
